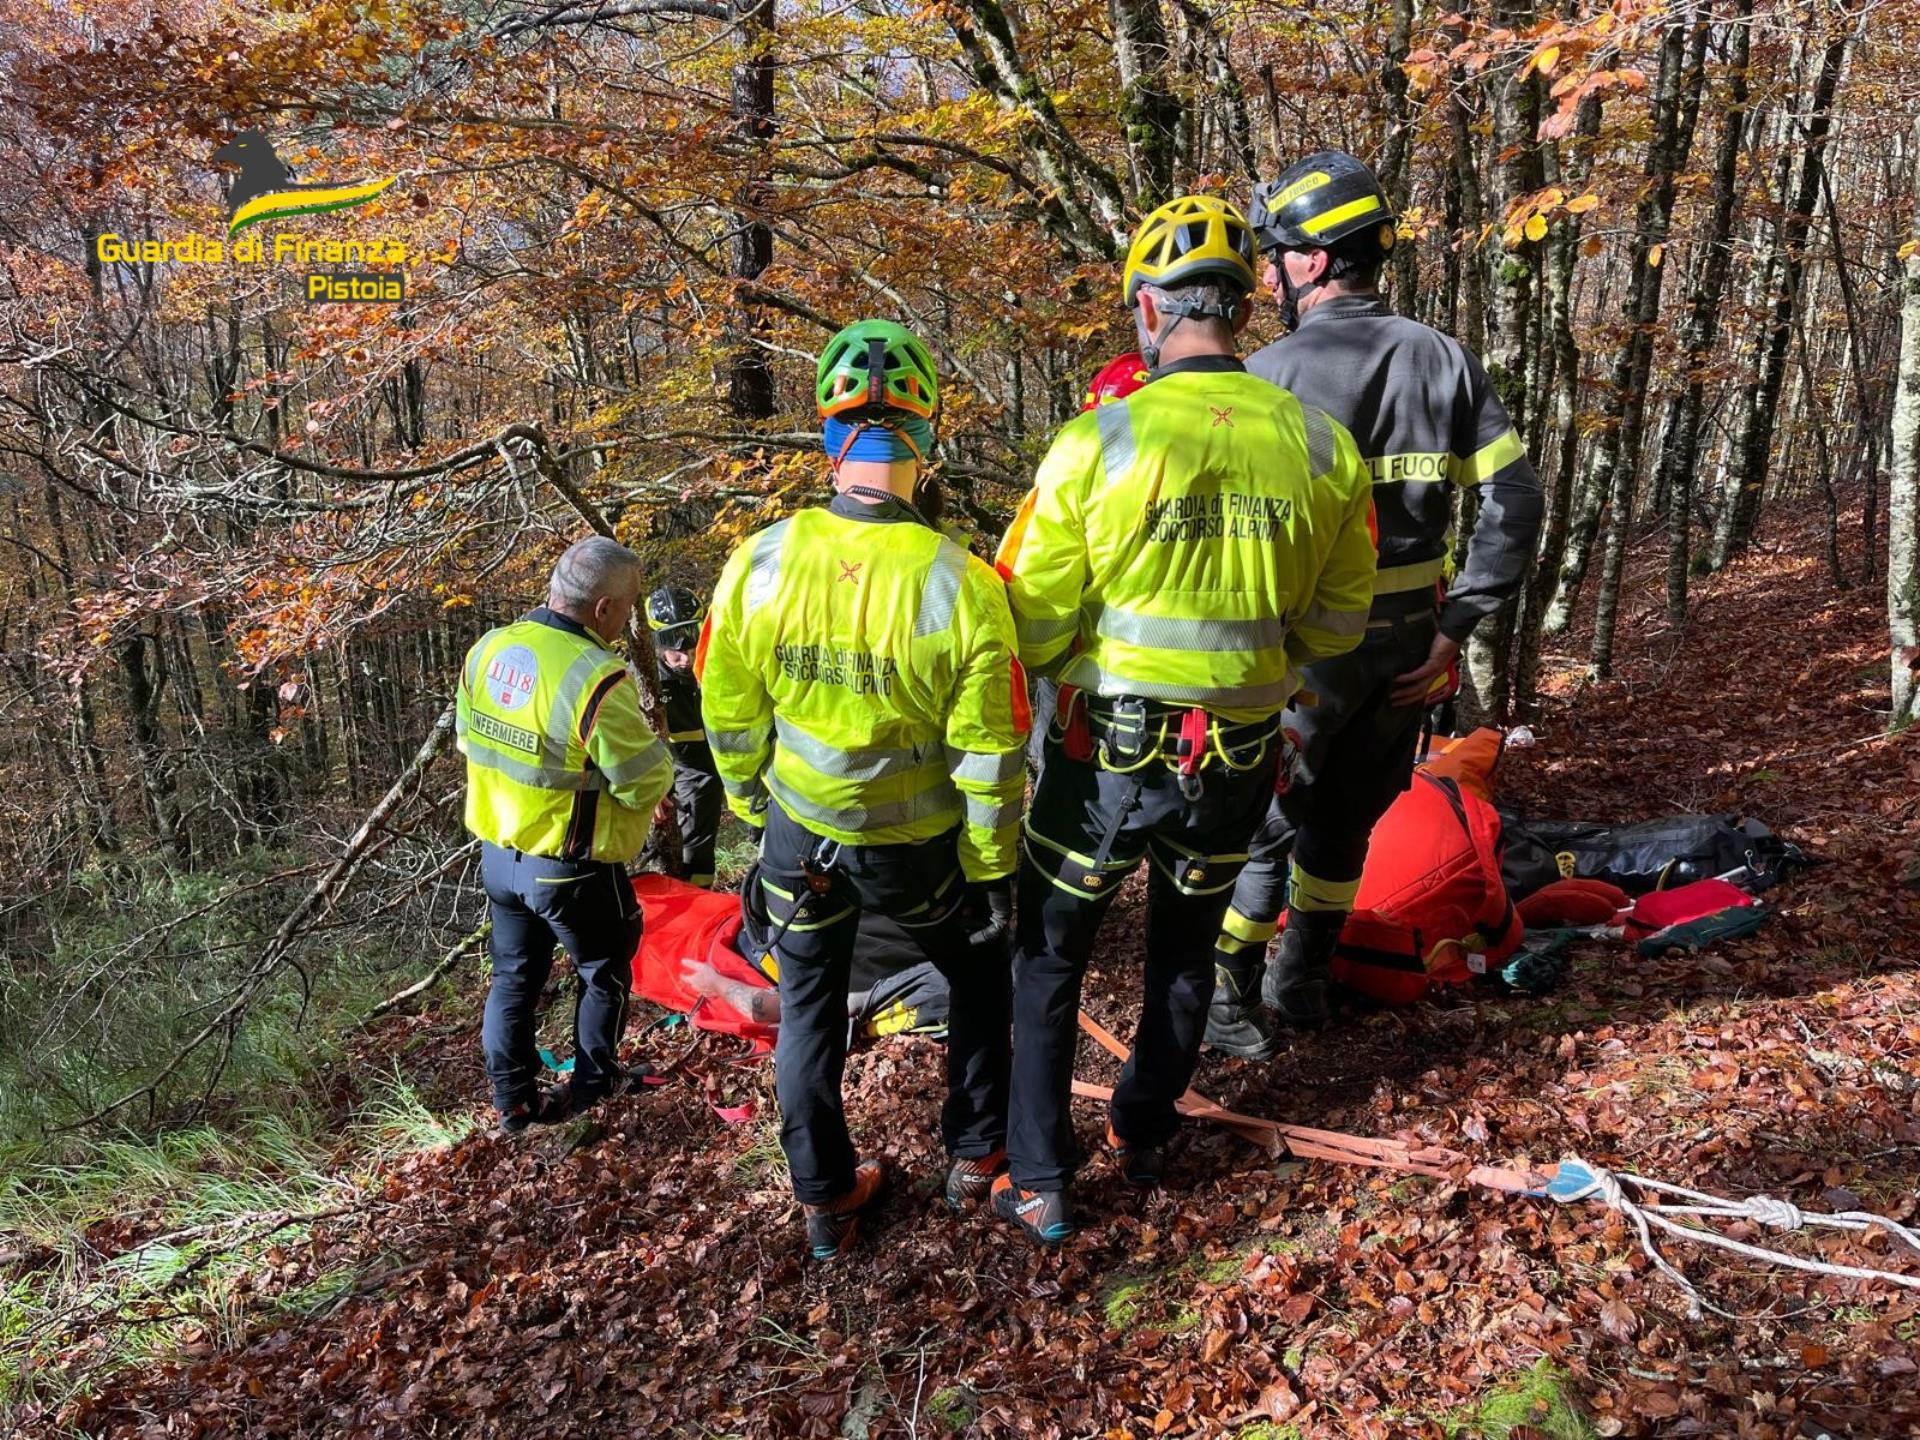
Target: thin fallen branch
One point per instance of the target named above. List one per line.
(433, 977)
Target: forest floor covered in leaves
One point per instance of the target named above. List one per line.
(646, 1279)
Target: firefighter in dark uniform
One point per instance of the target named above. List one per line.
(674, 616)
(1427, 421)
(1182, 551)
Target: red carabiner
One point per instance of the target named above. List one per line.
(1194, 735)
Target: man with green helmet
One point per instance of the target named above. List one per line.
(1426, 420)
(864, 706)
(1182, 551)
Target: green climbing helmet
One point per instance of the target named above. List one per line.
(843, 385)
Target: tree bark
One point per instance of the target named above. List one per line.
(750, 393)
(1150, 112)
(1747, 472)
(1675, 104)
(1903, 488)
(1680, 457)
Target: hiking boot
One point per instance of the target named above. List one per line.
(833, 1227)
(1240, 1027)
(547, 1107)
(563, 1102)
(1140, 1164)
(1041, 1213)
(518, 1120)
(971, 1178)
(1297, 982)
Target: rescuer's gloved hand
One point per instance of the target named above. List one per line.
(989, 911)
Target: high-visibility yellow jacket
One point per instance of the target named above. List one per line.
(860, 668)
(560, 760)
(1193, 543)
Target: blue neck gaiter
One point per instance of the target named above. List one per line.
(885, 442)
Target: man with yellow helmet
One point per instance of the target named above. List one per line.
(1183, 550)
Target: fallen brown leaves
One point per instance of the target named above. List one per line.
(647, 1283)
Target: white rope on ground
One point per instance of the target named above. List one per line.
(1581, 1180)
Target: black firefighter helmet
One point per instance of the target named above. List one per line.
(1327, 201)
(674, 616)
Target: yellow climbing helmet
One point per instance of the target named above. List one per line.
(1196, 237)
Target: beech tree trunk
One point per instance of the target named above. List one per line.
(1674, 110)
(1903, 489)
(1747, 472)
(1681, 456)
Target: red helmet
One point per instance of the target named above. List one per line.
(1118, 378)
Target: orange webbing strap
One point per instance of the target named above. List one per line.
(1306, 1143)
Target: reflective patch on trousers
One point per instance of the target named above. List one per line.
(797, 915)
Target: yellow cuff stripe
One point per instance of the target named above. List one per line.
(1245, 927)
(1310, 892)
(1489, 460)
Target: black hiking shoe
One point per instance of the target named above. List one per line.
(518, 1120)
(971, 1178)
(547, 1107)
(1141, 1165)
(1297, 982)
(832, 1228)
(1240, 1027)
(1042, 1214)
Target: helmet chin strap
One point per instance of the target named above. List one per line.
(1151, 344)
(1291, 294)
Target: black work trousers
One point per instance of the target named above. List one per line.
(589, 908)
(920, 886)
(697, 797)
(1356, 754)
(1196, 847)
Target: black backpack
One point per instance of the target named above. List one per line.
(1653, 855)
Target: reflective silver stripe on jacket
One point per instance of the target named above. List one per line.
(1084, 673)
(1319, 440)
(473, 656)
(942, 591)
(763, 571)
(858, 819)
(735, 742)
(1116, 439)
(740, 789)
(1164, 632)
(574, 684)
(983, 767)
(541, 777)
(634, 766)
(1032, 630)
(992, 817)
(1335, 622)
(872, 764)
